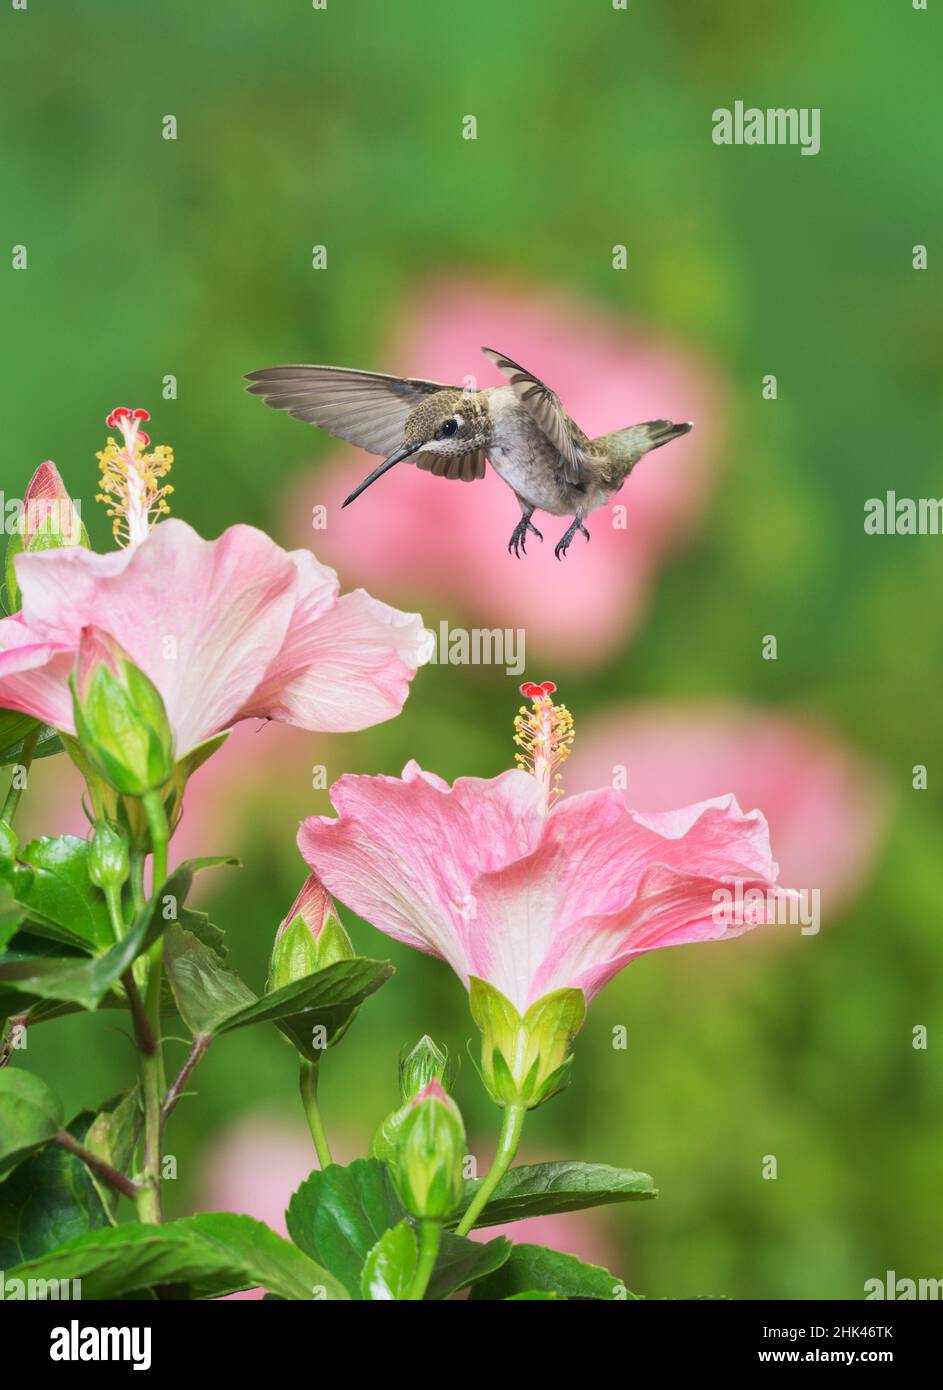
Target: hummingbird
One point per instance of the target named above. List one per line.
(522, 429)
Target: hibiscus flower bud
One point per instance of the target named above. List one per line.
(430, 1154)
(417, 1068)
(526, 1060)
(310, 938)
(120, 718)
(109, 863)
(423, 1063)
(49, 520)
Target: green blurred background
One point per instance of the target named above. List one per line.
(342, 126)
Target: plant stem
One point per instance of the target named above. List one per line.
(113, 899)
(430, 1234)
(15, 792)
(142, 1027)
(308, 1085)
(201, 1042)
(152, 1077)
(111, 1175)
(508, 1141)
(138, 896)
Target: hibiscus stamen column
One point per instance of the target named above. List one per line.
(525, 1059)
(132, 478)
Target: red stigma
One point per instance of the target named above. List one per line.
(533, 691)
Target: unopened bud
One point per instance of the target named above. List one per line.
(430, 1154)
(49, 520)
(310, 938)
(424, 1063)
(109, 864)
(120, 717)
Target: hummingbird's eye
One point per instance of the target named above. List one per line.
(449, 426)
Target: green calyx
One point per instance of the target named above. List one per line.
(298, 953)
(526, 1060)
(122, 726)
(429, 1156)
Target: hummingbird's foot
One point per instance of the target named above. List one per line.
(518, 541)
(563, 544)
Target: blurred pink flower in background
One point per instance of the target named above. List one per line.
(254, 1167)
(823, 802)
(414, 533)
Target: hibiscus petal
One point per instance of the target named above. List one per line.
(203, 619)
(34, 675)
(404, 854)
(345, 667)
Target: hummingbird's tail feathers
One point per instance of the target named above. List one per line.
(661, 432)
(626, 447)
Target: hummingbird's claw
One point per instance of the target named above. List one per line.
(563, 544)
(518, 541)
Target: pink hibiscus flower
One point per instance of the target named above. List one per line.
(422, 534)
(528, 892)
(226, 629)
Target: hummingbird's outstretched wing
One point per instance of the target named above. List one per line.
(364, 408)
(547, 411)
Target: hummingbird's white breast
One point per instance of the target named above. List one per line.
(522, 455)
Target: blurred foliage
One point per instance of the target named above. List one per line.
(342, 127)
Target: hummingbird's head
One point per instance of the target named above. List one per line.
(449, 423)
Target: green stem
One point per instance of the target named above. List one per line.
(138, 896)
(508, 1141)
(430, 1234)
(152, 1071)
(116, 916)
(308, 1085)
(15, 792)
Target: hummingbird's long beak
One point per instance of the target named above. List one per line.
(384, 467)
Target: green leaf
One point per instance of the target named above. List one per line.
(113, 1136)
(324, 999)
(535, 1268)
(86, 982)
(462, 1261)
(390, 1266)
(537, 1189)
(50, 1198)
(339, 1215)
(531, 1296)
(205, 991)
(216, 1252)
(59, 890)
(15, 729)
(203, 929)
(30, 1115)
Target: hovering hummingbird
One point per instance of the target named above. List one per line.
(542, 455)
